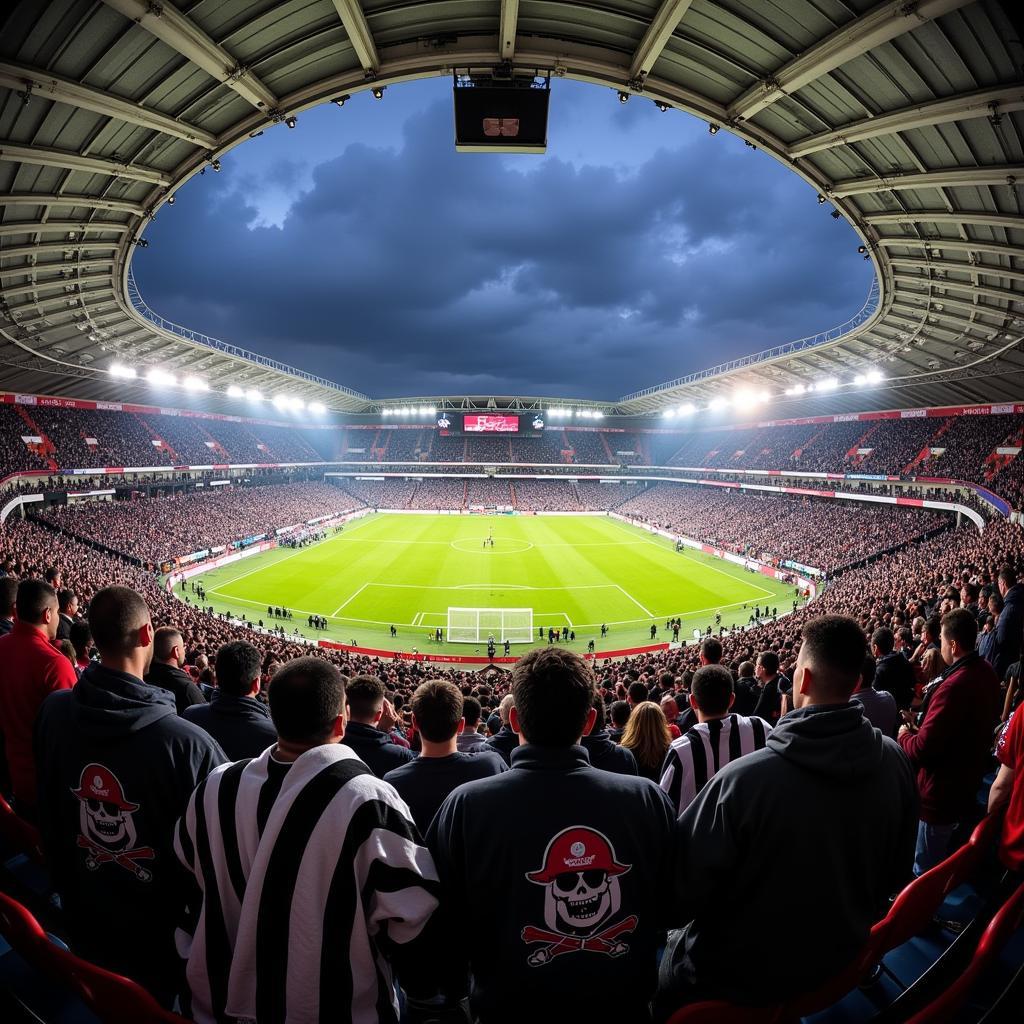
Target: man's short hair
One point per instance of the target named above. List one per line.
(8, 594)
(834, 646)
(116, 614)
(867, 673)
(746, 670)
(711, 688)
(711, 649)
(32, 600)
(601, 718)
(65, 598)
(960, 625)
(505, 707)
(365, 696)
(883, 639)
(769, 661)
(1007, 575)
(237, 665)
(51, 574)
(80, 635)
(471, 711)
(619, 713)
(306, 697)
(554, 692)
(638, 692)
(165, 640)
(437, 705)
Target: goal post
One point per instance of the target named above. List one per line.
(475, 625)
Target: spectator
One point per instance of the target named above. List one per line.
(950, 749)
(636, 694)
(166, 669)
(116, 768)
(1008, 791)
(469, 740)
(602, 751)
(879, 705)
(710, 651)
(718, 738)
(371, 718)
(648, 738)
(670, 708)
(597, 850)
(234, 717)
(746, 690)
(8, 597)
(313, 877)
(32, 669)
(81, 641)
(67, 606)
(504, 741)
(893, 673)
(619, 714)
(425, 782)
(770, 686)
(1010, 627)
(825, 781)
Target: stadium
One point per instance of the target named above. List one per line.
(480, 704)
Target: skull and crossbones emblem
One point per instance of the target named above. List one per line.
(108, 833)
(582, 893)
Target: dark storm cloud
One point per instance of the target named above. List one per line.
(416, 270)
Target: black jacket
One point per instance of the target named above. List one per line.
(896, 675)
(116, 767)
(241, 725)
(829, 794)
(608, 756)
(1010, 629)
(503, 742)
(375, 749)
(64, 623)
(578, 877)
(177, 682)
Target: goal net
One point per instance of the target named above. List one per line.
(475, 625)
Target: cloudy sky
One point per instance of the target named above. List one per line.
(362, 247)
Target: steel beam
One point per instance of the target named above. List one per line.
(42, 227)
(165, 22)
(508, 21)
(358, 31)
(46, 157)
(658, 33)
(956, 245)
(42, 83)
(863, 33)
(910, 217)
(952, 177)
(31, 250)
(955, 108)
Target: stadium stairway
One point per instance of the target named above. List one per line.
(465, 490)
(156, 437)
(926, 451)
(859, 443)
(46, 448)
(607, 448)
(512, 491)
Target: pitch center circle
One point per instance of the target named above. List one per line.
(502, 546)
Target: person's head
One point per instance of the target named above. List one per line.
(437, 710)
(36, 604)
(637, 693)
(365, 696)
(710, 651)
(647, 734)
(746, 670)
(505, 708)
(169, 646)
(1006, 579)
(904, 638)
(122, 630)
(932, 629)
(471, 711)
(307, 703)
(67, 602)
(238, 669)
(52, 576)
(600, 715)
(8, 596)
(65, 647)
(995, 604)
(619, 714)
(553, 695)
(670, 707)
(882, 642)
(969, 593)
(831, 658)
(712, 692)
(959, 634)
(767, 666)
(81, 637)
(867, 673)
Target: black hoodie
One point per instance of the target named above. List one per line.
(177, 682)
(802, 841)
(116, 767)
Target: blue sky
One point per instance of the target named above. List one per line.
(362, 247)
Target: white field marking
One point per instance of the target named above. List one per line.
(443, 617)
(625, 593)
(417, 619)
(686, 554)
(483, 549)
(349, 600)
(553, 544)
(487, 586)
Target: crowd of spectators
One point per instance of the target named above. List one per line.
(488, 493)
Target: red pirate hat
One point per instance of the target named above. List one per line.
(99, 783)
(577, 849)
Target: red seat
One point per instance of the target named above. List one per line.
(113, 999)
(1008, 919)
(19, 834)
(717, 1011)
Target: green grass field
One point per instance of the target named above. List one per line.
(576, 572)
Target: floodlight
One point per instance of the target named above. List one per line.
(821, 199)
(195, 384)
(280, 401)
(160, 377)
(670, 413)
(431, 410)
(714, 129)
(796, 389)
(425, 410)
(170, 200)
(764, 396)
(296, 404)
(254, 395)
(317, 408)
(598, 414)
(661, 106)
(216, 165)
(291, 120)
(826, 384)
(234, 391)
(717, 403)
(340, 101)
(874, 376)
(687, 409)
(623, 96)
(378, 92)
(119, 370)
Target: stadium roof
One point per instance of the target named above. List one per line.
(905, 116)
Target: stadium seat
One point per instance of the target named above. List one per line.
(112, 998)
(716, 1011)
(1009, 917)
(18, 835)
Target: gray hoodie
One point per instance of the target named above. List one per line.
(800, 842)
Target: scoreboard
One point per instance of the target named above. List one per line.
(489, 423)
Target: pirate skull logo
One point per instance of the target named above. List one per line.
(108, 833)
(582, 893)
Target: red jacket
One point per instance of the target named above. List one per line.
(31, 668)
(951, 748)
(1010, 752)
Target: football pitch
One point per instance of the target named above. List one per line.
(575, 572)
